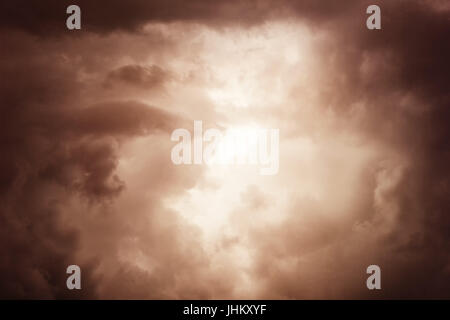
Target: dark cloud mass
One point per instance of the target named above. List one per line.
(86, 176)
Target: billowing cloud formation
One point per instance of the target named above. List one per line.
(86, 176)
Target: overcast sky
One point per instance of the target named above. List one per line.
(86, 176)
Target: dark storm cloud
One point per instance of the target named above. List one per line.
(55, 146)
(122, 118)
(36, 17)
(144, 77)
(418, 39)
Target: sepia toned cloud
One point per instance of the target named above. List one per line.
(86, 177)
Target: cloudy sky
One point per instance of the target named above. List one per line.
(86, 175)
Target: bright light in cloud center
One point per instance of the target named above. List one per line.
(238, 144)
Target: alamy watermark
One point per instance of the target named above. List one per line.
(245, 146)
